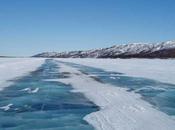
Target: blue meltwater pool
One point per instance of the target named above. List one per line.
(35, 103)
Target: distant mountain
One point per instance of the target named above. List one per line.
(3, 56)
(134, 50)
(7, 57)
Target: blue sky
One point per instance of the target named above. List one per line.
(28, 27)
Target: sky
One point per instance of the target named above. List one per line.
(28, 27)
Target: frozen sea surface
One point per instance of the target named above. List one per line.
(14, 67)
(160, 95)
(43, 100)
(162, 70)
(35, 103)
(120, 107)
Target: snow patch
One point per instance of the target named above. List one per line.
(162, 70)
(11, 68)
(113, 77)
(7, 107)
(29, 90)
(120, 110)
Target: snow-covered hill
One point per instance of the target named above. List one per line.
(134, 50)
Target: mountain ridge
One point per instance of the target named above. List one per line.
(132, 50)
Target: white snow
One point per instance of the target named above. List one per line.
(34, 91)
(120, 110)
(157, 69)
(113, 77)
(26, 89)
(29, 90)
(11, 68)
(7, 107)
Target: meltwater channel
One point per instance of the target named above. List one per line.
(35, 103)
